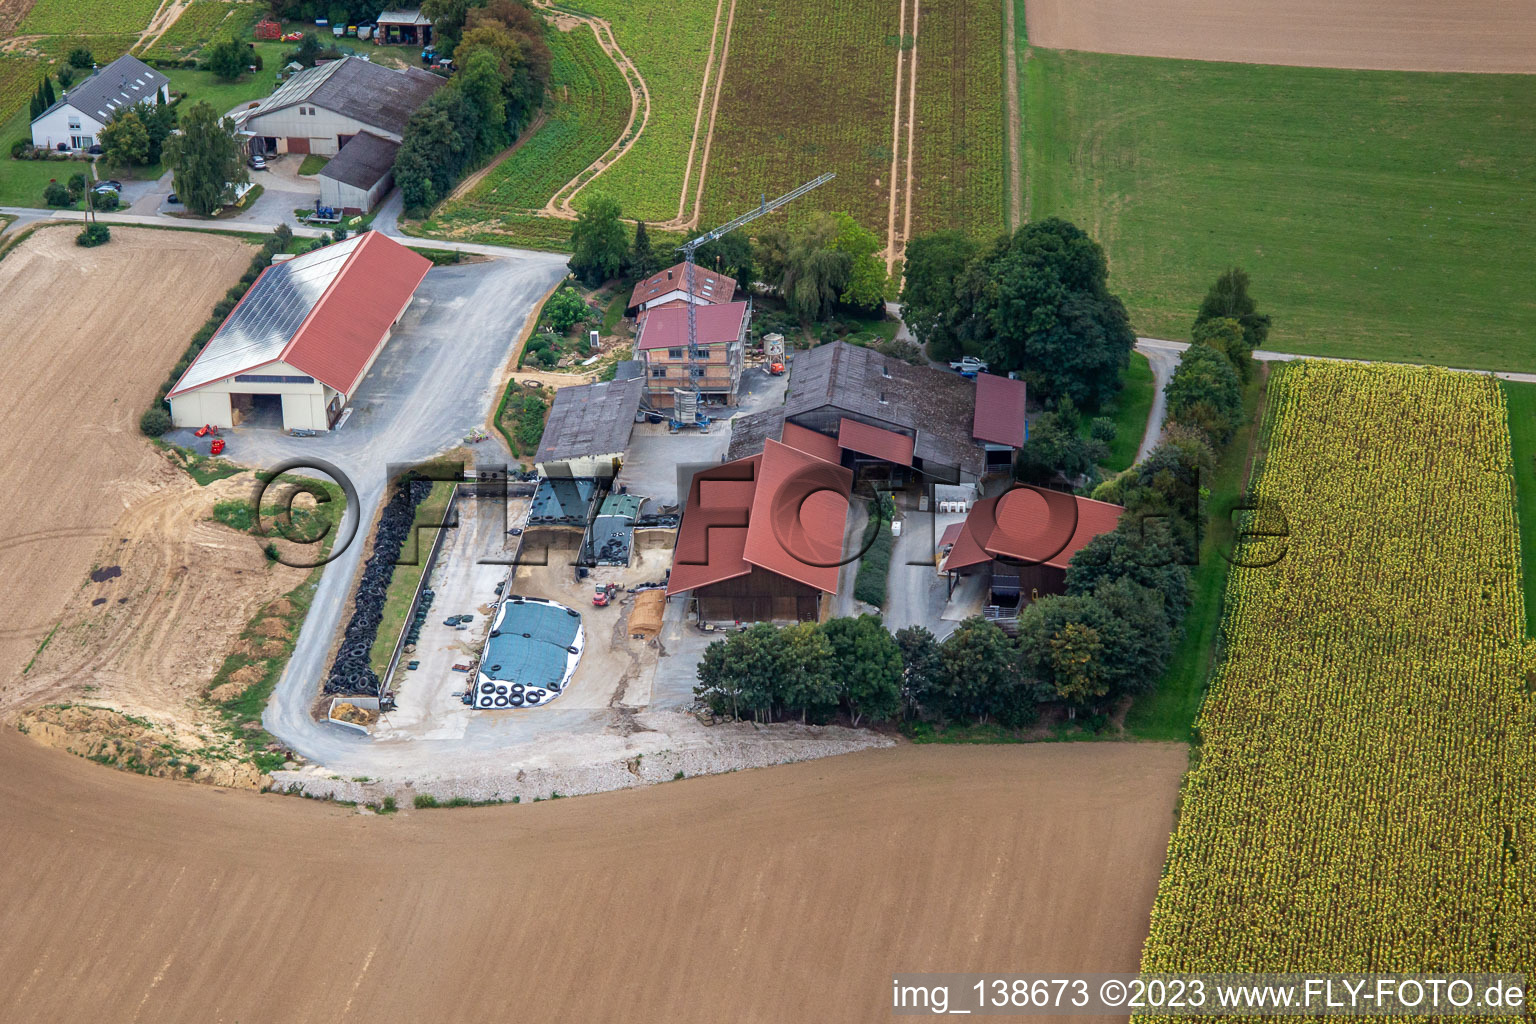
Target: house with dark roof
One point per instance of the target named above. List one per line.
(321, 109)
(761, 538)
(661, 340)
(588, 429)
(671, 286)
(357, 178)
(75, 120)
(302, 338)
(1022, 541)
(895, 419)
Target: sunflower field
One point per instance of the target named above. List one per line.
(1362, 794)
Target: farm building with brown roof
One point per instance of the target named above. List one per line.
(761, 538)
(888, 415)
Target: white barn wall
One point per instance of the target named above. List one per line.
(321, 128)
(211, 402)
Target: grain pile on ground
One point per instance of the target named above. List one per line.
(1407, 35)
(345, 712)
(89, 334)
(784, 895)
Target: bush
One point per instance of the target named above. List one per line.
(155, 421)
(56, 194)
(80, 57)
(106, 201)
(19, 147)
(94, 235)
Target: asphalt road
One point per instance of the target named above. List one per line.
(433, 382)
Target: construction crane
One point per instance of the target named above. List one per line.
(689, 248)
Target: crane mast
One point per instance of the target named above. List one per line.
(689, 248)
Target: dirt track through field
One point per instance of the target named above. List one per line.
(1408, 35)
(783, 894)
(89, 334)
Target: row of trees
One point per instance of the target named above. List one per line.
(1080, 652)
(502, 67)
(1036, 302)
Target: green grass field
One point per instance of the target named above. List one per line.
(1382, 215)
(1168, 712)
(1520, 399)
(1129, 410)
(225, 96)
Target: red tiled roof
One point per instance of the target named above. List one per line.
(713, 533)
(1030, 525)
(875, 441)
(783, 511)
(950, 535)
(798, 516)
(708, 285)
(812, 443)
(1000, 405)
(347, 325)
(337, 333)
(668, 327)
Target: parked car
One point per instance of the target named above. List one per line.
(172, 198)
(969, 366)
(338, 31)
(107, 186)
(257, 162)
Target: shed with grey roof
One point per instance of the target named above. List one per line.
(320, 109)
(75, 121)
(588, 429)
(360, 175)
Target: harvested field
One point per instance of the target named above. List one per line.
(788, 894)
(148, 640)
(784, 119)
(957, 170)
(79, 373)
(1406, 35)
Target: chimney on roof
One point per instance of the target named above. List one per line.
(669, 275)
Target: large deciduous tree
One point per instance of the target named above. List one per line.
(205, 158)
(124, 139)
(1229, 297)
(866, 666)
(933, 264)
(979, 676)
(1205, 393)
(1038, 302)
(599, 242)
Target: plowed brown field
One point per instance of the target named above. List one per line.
(1406, 35)
(87, 334)
(786, 894)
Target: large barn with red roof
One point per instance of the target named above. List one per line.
(302, 338)
(762, 537)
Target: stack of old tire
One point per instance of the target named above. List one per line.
(423, 607)
(351, 673)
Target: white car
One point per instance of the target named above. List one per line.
(968, 365)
